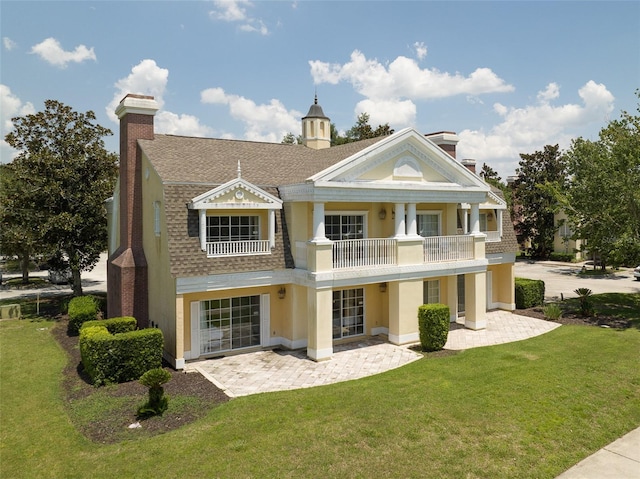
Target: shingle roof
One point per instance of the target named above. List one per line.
(215, 161)
(190, 166)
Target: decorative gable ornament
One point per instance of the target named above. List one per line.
(236, 194)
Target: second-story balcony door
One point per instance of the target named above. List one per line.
(344, 227)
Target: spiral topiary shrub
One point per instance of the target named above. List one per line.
(158, 402)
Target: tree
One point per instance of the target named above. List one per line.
(19, 235)
(534, 203)
(602, 196)
(360, 131)
(291, 139)
(64, 175)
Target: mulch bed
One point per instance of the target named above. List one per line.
(576, 319)
(195, 395)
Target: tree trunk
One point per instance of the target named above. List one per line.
(24, 267)
(76, 282)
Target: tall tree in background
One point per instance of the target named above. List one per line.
(20, 230)
(534, 203)
(602, 197)
(363, 131)
(65, 175)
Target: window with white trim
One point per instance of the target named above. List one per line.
(428, 224)
(232, 228)
(343, 227)
(156, 218)
(229, 323)
(431, 291)
(348, 313)
(483, 222)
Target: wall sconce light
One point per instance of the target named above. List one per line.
(490, 216)
(383, 287)
(382, 214)
(282, 292)
(393, 214)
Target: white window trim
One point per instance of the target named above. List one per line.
(364, 214)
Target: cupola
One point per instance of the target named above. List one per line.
(316, 128)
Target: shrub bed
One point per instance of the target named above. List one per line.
(120, 357)
(81, 309)
(529, 293)
(433, 322)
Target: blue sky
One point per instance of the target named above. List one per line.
(508, 77)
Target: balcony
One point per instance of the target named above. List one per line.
(364, 253)
(237, 248)
(447, 248)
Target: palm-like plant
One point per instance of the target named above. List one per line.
(586, 305)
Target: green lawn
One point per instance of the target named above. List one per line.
(529, 409)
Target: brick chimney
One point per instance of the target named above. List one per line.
(127, 292)
(469, 164)
(446, 140)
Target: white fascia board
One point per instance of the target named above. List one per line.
(220, 282)
(393, 193)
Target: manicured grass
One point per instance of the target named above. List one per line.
(529, 409)
(621, 305)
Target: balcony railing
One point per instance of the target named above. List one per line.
(238, 248)
(492, 236)
(447, 248)
(363, 252)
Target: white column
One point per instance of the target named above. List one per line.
(499, 220)
(412, 223)
(465, 222)
(318, 221)
(272, 229)
(399, 221)
(203, 229)
(475, 218)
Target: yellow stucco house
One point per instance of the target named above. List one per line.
(231, 246)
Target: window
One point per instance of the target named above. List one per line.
(348, 313)
(483, 222)
(229, 323)
(156, 218)
(431, 291)
(428, 224)
(232, 228)
(343, 227)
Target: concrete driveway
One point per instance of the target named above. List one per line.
(563, 279)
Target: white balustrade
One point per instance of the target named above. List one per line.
(238, 248)
(447, 248)
(363, 253)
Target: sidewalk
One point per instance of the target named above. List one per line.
(618, 460)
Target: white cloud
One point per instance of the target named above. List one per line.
(267, 122)
(10, 107)
(8, 43)
(185, 125)
(236, 11)
(530, 128)
(147, 78)
(52, 52)
(421, 50)
(397, 113)
(402, 82)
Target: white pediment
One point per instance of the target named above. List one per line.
(405, 159)
(235, 194)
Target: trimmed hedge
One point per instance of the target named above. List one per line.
(563, 257)
(123, 324)
(120, 357)
(81, 309)
(529, 293)
(433, 322)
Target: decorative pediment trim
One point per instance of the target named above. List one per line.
(236, 194)
(414, 154)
